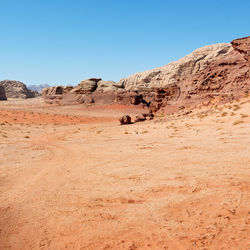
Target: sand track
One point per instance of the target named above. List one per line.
(175, 183)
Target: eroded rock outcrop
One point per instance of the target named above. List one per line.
(217, 71)
(16, 89)
(227, 77)
(3, 96)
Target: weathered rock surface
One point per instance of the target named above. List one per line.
(86, 86)
(16, 89)
(219, 71)
(225, 78)
(3, 96)
(105, 86)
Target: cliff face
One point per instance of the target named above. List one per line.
(16, 89)
(219, 71)
(175, 72)
(226, 77)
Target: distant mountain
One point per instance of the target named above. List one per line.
(39, 87)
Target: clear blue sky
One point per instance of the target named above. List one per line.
(66, 41)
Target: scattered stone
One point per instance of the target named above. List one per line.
(86, 86)
(126, 119)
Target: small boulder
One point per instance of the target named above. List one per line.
(86, 86)
(126, 119)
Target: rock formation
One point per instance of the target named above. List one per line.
(227, 77)
(217, 71)
(3, 96)
(16, 89)
(93, 90)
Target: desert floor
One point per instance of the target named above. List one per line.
(72, 177)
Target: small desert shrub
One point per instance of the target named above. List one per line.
(243, 116)
(224, 114)
(238, 122)
(26, 136)
(236, 107)
(232, 114)
(144, 132)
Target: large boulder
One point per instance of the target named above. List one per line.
(126, 119)
(86, 86)
(3, 96)
(16, 89)
(56, 90)
(105, 86)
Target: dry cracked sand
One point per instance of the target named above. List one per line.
(73, 178)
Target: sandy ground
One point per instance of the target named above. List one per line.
(72, 177)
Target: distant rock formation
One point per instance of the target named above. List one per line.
(16, 89)
(219, 71)
(3, 96)
(92, 90)
(38, 88)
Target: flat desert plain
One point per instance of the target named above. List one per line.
(71, 177)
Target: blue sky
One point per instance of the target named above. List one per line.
(66, 41)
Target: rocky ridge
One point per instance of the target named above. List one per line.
(174, 72)
(219, 71)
